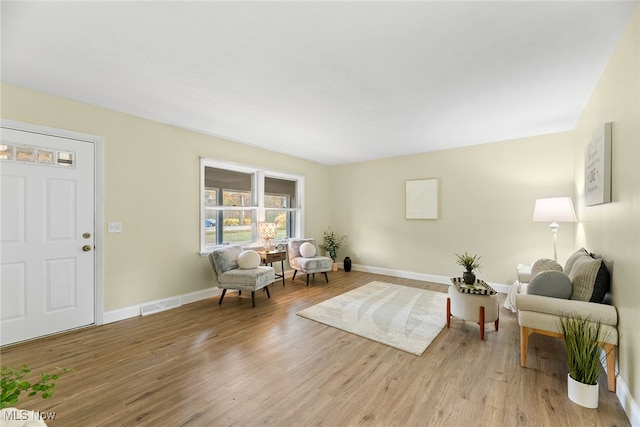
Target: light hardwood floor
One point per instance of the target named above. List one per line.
(208, 365)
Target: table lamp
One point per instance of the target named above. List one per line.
(267, 232)
(554, 210)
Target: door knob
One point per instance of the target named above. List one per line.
(86, 248)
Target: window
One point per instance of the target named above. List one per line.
(279, 202)
(235, 198)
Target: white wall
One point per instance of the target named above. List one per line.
(152, 186)
(613, 229)
(486, 198)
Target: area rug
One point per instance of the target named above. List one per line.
(399, 316)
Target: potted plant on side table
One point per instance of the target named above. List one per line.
(470, 263)
(583, 358)
(331, 243)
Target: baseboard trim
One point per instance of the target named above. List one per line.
(444, 280)
(630, 406)
(136, 310)
(121, 314)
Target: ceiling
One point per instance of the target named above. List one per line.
(332, 82)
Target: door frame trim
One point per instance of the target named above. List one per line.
(98, 197)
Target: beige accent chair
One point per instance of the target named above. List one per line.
(546, 291)
(227, 274)
(307, 265)
(541, 315)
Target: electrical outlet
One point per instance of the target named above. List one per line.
(114, 227)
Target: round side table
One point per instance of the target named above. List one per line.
(474, 308)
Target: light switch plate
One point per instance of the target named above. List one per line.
(114, 227)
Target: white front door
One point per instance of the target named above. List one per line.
(46, 235)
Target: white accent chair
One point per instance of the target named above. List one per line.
(307, 265)
(228, 275)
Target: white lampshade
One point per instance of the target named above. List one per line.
(554, 209)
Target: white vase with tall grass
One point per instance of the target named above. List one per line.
(581, 338)
(583, 394)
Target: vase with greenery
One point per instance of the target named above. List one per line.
(581, 337)
(331, 243)
(470, 263)
(13, 383)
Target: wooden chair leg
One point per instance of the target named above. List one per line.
(448, 312)
(294, 275)
(266, 288)
(326, 277)
(253, 299)
(224, 291)
(524, 344)
(610, 351)
(497, 322)
(481, 322)
(307, 279)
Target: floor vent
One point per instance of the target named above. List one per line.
(158, 306)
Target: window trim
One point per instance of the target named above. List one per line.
(259, 175)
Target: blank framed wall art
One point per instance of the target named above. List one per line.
(597, 167)
(422, 199)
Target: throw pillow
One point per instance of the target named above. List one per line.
(603, 282)
(572, 259)
(544, 264)
(550, 283)
(583, 278)
(307, 250)
(248, 260)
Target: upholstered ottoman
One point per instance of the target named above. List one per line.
(474, 308)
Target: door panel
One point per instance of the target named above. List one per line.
(60, 202)
(60, 284)
(47, 204)
(13, 290)
(12, 209)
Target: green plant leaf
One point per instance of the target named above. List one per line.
(581, 337)
(12, 384)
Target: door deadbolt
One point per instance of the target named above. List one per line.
(86, 248)
(86, 235)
